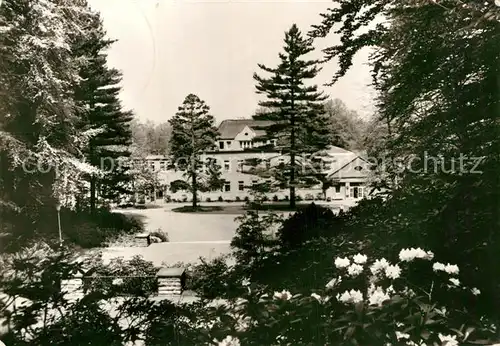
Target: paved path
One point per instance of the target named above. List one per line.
(191, 235)
(185, 227)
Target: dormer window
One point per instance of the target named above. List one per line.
(358, 168)
(246, 133)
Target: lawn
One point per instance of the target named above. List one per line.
(238, 209)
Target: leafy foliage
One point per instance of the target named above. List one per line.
(309, 223)
(438, 129)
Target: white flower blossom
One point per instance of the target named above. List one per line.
(451, 269)
(475, 291)
(448, 340)
(283, 295)
(438, 267)
(354, 270)
(228, 341)
(408, 255)
(377, 296)
(379, 266)
(350, 297)
(333, 282)
(360, 259)
(455, 282)
(393, 271)
(342, 262)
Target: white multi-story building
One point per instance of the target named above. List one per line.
(242, 140)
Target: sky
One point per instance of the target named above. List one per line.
(167, 49)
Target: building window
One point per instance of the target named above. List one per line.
(221, 145)
(245, 144)
(227, 186)
(337, 189)
(226, 165)
(357, 192)
(241, 185)
(152, 165)
(228, 144)
(240, 165)
(163, 165)
(255, 182)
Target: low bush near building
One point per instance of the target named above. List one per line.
(208, 200)
(220, 199)
(309, 223)
(238, 199)
(275, 198)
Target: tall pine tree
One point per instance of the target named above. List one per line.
(97, 95)
(40, 145)
(296, 108)
(194, 132)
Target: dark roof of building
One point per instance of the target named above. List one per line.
(228, 129)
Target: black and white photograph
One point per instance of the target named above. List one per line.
(249, 172)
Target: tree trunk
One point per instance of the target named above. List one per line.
(92, 181)
(92, 195)
(292, 150)
(292, 161)
(194, 187)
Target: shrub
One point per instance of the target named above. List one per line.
(287, 198)
(209, 199)
(159, 233)
(309, 197)
(393, 309)
(93, 230)
(238, 199)
(184, 198)
(275, 198)
(213, 279)
(246, 199)
(87, 235)
(220, 199)
(168, 199)
(328, 199)
(309, 223)
(298, 198)
(265, 198)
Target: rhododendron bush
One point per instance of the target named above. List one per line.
(366, 302)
